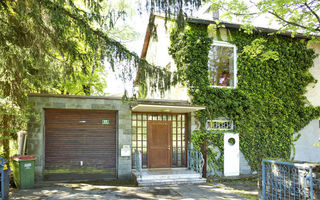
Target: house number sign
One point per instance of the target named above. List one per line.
(105, 122)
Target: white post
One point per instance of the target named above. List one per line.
(231, 154)
(22, 137)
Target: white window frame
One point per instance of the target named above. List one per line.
(227, 44)
(220, 124)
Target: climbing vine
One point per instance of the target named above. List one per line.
(268, 105)
(214, 148)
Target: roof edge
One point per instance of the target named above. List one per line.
(146, 101)
(238, 26)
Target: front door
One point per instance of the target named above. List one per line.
(159, 144)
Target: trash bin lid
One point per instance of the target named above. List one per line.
(24, 158)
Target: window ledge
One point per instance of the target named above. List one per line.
(227, 87)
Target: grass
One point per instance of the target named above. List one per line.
(246, 187)
(248, 196)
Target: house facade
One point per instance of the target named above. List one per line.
(156, 51)
(86, 137)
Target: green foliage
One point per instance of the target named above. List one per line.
(215, 148)
(299, 16)
(49, 46)
(198, 45)
(268, 105)
(9, 109)
(178, 9)
(12, 119)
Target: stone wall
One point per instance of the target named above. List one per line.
(36, 129)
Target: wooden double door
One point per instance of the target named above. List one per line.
(159, 144)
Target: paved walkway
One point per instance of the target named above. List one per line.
(101, 191)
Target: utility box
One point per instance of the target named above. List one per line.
(23, 171)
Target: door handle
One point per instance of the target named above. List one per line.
(168, 147)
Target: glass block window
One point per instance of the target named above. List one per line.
(219, 125)
(222, 65)
(179, 136)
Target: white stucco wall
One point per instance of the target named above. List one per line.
(313, 90)
(212, 32)
(158, 54)
(307, 147)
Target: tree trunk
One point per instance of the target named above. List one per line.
(259, 173)
(204, 153)
(6, 130)
(6, 136)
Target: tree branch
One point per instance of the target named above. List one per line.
(312, 11)
(240, 14)
(290, 23)
(96, 32)
(115, 51)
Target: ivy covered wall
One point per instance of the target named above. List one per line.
(268, 105)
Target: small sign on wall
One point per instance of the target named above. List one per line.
(105, 122)
(125, 150)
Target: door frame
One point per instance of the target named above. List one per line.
(139, 122)
(169, 123)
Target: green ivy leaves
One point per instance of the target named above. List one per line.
(214, 140)
(268, 106)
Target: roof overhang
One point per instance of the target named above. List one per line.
(238, 26)
(166, 108)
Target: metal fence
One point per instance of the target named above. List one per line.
(138, 161)
(286, 180)
(195, 160)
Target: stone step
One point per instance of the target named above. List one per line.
(169, 176)
(171, 181)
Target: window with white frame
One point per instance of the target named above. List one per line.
(219, 124)
(223, 64)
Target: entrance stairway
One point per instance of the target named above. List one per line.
(167, 176)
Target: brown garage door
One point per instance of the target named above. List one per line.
(80, 144)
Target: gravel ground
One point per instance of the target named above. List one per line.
(107, 190)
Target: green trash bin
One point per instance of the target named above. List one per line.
(23, 171)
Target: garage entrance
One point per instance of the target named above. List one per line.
(80, 144)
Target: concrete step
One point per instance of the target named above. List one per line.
(171, 176)
(171, 181)
(168, 176)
